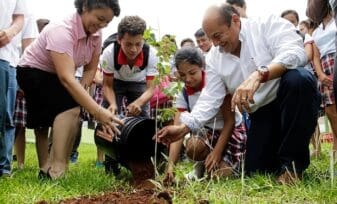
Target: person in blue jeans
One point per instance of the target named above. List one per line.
(11, 23)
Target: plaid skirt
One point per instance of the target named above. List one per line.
(20, 113)
(235, 149)
(327, 62)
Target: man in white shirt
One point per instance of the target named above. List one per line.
(11, 23)
(257, 62)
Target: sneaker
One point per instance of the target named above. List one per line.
(74, 157)
(112, 167)
(197, 173)
(5, 175)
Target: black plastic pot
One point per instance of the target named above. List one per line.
(134, 143)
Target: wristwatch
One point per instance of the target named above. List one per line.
(264, 73)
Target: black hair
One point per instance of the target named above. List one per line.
(95, 4)
(200, 33)
(185, 40)
(306, 23)
(239, 3)
(226, 11)
(287, 12)
(191, 55)
(133, 25)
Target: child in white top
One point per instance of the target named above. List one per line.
(220, 145)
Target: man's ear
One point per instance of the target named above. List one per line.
(235, 18)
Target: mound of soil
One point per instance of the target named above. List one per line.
(136, 197)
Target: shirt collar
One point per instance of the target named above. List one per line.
(80, 29)
(122, 59)
(190, 91)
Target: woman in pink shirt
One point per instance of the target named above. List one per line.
(46, 73)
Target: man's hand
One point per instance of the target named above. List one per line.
(243, 95)
(171, 133)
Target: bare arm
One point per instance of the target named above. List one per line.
(229, 122)
(7, 34)
(135, 107)
(26, 42)
(109, 93)
(65, 69)
(89, 71)
(244, 94)
(308, 47)
(322, 77)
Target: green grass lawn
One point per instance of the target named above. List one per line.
(84, 178)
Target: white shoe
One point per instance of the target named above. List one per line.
(197, 173)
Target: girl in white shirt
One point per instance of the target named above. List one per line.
(324, 37)
(220, 145)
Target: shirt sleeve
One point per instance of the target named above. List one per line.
(209, 102)
(151, 70)
(284, 43)
(60, 43)
(181, 103)
(308, 39)
(30, 28)
(20, 7)
(107, 60)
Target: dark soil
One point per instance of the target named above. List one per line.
(136, 197)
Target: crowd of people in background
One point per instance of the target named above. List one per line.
(253, 90)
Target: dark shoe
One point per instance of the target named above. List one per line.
(112, 167)
(15, 158)
(74, 157)
(44, 176)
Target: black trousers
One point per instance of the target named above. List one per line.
(280, 132)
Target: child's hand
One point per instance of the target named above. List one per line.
(169, 179)
(212, 160)
(134, 109)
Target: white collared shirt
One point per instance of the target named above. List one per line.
(29, 31)
(127, 73)
(325, 38)
(263, 41)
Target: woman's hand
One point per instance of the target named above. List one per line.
(113, 109)
(109, 121)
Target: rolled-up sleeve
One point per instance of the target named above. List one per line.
(209, 102)
(285, 43)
